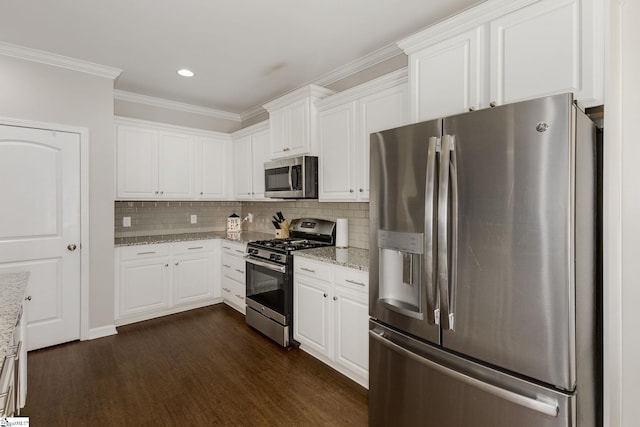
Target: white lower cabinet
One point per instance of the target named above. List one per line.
(159, 279)
(331, 315)
(233, 275)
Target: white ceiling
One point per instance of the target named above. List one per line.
(244, 52)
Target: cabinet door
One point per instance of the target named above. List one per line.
(144, 285)
(176, 165)
(446, 78)
(380, 111)
(311, 315)
(543, 49)
(260, 154)
(299, 132)
(243, 168)
(351, 314)
(279, 131)
(137, 162)
(212, 168)
(337, 135)
(193, 278)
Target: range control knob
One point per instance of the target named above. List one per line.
(275, 257)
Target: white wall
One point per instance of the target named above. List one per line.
(622, 216)
(38, 92)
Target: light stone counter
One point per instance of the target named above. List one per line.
(244, 237)
(347, 257)
(12, 290)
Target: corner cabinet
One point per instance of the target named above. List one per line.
(507, 51)
(250, 152)
(345, 123)
(159, 279)
(156, 161)
(292, 120)
(331, 316)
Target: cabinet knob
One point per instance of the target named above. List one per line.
(166, 265)
(472, 108)
(351, 190)
(28, 298)
(156, 192)
(72, 247)
(335, 298)
(325, 295)
(162, 192)
(493, 104)
(176, 263)
(201, 193)
(361, 190)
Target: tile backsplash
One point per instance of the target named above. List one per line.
(161, 217)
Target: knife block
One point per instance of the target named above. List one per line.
(283, 232)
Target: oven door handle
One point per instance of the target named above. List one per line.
(270, 266)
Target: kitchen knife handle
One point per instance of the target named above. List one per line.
(432, 310)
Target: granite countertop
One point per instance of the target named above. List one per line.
(12, 289)
(347, 257)
(243, 237)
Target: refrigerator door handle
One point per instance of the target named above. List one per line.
(433, 313)
(547, 407)
(446, 308)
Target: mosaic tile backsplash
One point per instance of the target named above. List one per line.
(162, 217)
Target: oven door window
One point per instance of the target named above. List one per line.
(266, 287)
(277, 179)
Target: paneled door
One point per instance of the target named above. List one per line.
(40, 227)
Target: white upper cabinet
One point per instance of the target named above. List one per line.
(175, 179)
(156, 161)
(292, 122)
(506, 51)
(251, 150)
(446, 77)
(213, 170)
(137, 162)
(544, 49)
(345, 122)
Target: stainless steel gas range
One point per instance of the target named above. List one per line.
(269, 276)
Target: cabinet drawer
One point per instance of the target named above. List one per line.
(234, 267)
(128, 253)
(230, 248)
(234, 293)
(351, 278)
(194, 246)
(317, 270)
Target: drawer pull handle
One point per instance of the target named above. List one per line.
(146, 253)
(355, 283)
(307, 269)
(196, 247)
(226, 265)
(240, 297)
(239, 251)
(226, 247)
(240, 271)
(226, 289)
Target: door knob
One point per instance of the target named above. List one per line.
(72, 247)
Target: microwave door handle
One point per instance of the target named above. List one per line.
(433, 311)
(290, 178)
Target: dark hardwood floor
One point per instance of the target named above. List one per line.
(203, 367)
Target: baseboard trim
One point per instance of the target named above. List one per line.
(103, 331)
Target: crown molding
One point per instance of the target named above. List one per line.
(374, 58)
(254, 112)
(56, 60)
(172, 105)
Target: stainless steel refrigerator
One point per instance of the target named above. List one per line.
(484, 270)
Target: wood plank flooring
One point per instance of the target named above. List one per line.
(203, 367)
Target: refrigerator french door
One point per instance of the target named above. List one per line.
(483, 267)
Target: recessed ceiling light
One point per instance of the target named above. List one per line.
(185, 73)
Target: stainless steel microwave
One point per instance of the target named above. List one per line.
(294, 178)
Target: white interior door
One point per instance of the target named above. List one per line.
(40, 227)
